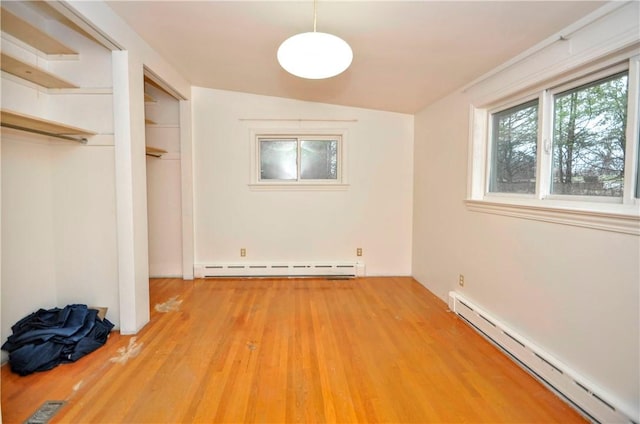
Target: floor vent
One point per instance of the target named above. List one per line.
(45, 412)
(589, 400)
(280, 270)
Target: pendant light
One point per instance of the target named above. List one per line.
(315, 55)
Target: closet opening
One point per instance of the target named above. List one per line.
(165, 182)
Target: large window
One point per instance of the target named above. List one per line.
(299, 160)
(566, 152)
(580, 153)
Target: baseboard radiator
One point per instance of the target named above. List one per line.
(582, 395)
(280, 270)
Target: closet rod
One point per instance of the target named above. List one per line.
(49, 134)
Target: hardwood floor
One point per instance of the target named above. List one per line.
(278, 351)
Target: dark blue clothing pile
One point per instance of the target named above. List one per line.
(48, 338)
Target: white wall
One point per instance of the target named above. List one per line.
(28, 268)
(572, 291)
(373, 213)
(84, 215)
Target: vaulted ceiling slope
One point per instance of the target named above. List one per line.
(407, 54)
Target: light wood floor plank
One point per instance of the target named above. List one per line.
(282, 351)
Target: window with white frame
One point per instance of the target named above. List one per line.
(298, 160)
(572, 145)
(586, 144)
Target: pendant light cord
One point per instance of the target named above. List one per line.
(315, 13)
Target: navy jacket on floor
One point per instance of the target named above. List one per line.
(47, 338)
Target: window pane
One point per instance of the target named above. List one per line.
(514, 142)
(278, 160)
(589, 138)
(319, 159)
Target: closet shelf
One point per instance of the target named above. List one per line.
(31, 73)
(148, 98)
(155, 152)
(33, 124)
(33, 36)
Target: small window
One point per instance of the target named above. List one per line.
(514, 137)
(589, 124)
(299, 159)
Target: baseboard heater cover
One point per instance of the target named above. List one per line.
(591, 401)
(282, 270)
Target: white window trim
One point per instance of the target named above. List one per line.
(633, 131)
(340, 184)
(621, 220)
(611, 214)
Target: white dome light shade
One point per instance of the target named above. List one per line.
(315, 55)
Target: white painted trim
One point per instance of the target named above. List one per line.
(131, 196)
(478, 132)
(148, 72)
(296, 186)
(124, 192)
(186, 170)
(633, 130)
(280, 269)
(131, 332)
(616, 218)
(545, 144)
(70, 12)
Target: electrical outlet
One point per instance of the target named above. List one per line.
(243, 252)
(461, 280)
(359, 251)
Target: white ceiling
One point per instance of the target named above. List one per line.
(407, 54)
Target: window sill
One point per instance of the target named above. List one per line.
(298, 187)
(608, 217)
